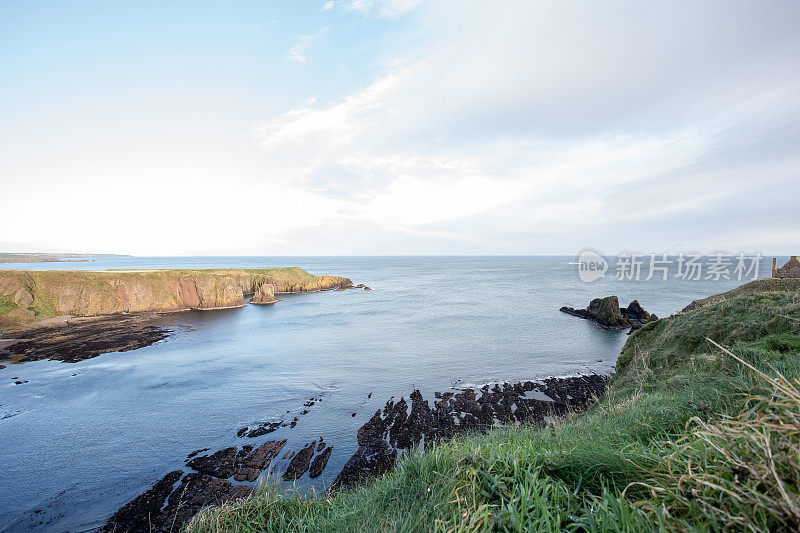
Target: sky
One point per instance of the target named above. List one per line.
(399, 127)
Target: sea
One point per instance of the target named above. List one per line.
(79, 440)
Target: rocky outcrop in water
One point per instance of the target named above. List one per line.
(300, 462)
(320, 461)
(166, 507)
(607, 313)
(395, 430)
(265, 294)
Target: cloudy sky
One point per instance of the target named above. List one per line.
(399, 127)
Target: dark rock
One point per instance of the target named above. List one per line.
(299, 463)
(607, 313)
(195, 492)
(221, 464)
(144, 510)
(320, 446)
(262, 429)
(196, 452)
(244, 465)
(320, 462)
(634, 311)
(367, 289)
(207, 486)
(250, 468)
(394, 430)
(84, 339)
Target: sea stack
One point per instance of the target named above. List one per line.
(265, 294)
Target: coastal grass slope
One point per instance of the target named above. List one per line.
(29, 296)
(688, 437)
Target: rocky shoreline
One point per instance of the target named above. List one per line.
(396, 429)
(79, 339)
(391, 432)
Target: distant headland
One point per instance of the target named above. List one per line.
(26, 257)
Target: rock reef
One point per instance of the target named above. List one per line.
(387, 435)
(166, 508)
(83, 338)
(607, 313)
(396, 429)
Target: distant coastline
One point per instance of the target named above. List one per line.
(25, 257)
(53, 314)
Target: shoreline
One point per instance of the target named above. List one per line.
(389, 434)
(64, 338)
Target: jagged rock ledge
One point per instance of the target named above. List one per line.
(607, 313)
(395, 430)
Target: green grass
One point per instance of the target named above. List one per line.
(659, 452)
(6, 305)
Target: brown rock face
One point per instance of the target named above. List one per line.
(606, 312)
(265, 294)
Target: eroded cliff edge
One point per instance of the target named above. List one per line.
(28, 296)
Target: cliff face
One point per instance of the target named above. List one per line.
(265, 294)
(30, 296)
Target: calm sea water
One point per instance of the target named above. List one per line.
(80, 440)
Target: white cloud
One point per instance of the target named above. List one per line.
(297, 53)
(549, 120)
(489, 127)
(327, 6)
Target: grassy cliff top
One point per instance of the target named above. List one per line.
(758, 286)
(688, 437)
(29, 296)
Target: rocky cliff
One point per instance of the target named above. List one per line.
(265, 294)
(28, 296)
